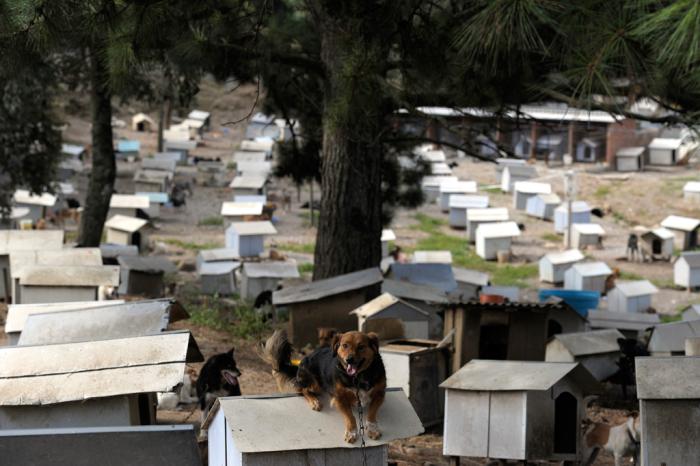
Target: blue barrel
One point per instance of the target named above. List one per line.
(580, 301)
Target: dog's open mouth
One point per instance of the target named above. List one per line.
(230, 376)
(352, 369)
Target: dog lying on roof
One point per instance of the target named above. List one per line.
(349, 370)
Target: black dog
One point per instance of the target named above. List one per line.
(218, 377)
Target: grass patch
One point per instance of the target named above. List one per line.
(306, 267)
(664, 283)
(667, 318)
(71, 236)
(231, 166)
(192, 246)
(300, 248)
(491, 189)
(630, 276)
(675, 185)
(552, 237)
(602, 191)
(211, 222)
(428, 224)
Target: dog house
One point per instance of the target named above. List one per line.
(13, 219)
(250, 168)
(211, 173)
(630, 159)
(685, 230)
(326, 303)
(128, 148)
(128, 231)
(246, 431)
(542, 206)
(439, 276)
(180, 146)
(218, 278)
(432, 257)
(216, 255)
(418, 367)
(111, 252)
(101, 383)
(502, 163)
(692, 312)
(691, 191)
(142, 123)
(584, 235)
(664, 151)
(512, 174)
(17, 314)
(109, 322)
(631, 296)
(259, 144)
(469, 282)
(440, 169)
(247, 239)
(201, 116)
(143, 275)
(245, 156)
(454, 188)
(249, 185)
(387, 236)
(669, 339)
(376, 314)
(631, 325)
(597, 351)
(234, 212)
(492, 238)
(476, 217)
(657, 243)
(589, 276)
(431, 186)
(38, 204)
(168, 157)
(60, 284)
(424, 297)
(128, 204)
(524, 190)
(580, 213)
(258, 277)
(459, 206)
(668, 390)
(508, 410)
(554, 265)
(591, 149)
(159, 164)
(166, 445)
(155, 181)
(156, 202)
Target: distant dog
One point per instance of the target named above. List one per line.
(326, 335)
(621, 440)
(350, 371)
(218, 377)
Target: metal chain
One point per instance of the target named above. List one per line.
(361, 430)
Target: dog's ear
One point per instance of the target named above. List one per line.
(373, 341)
(230, 351)
(335, 343)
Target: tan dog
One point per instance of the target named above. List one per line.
(621, 440)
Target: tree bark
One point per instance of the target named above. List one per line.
(349, 227)
(104, 168)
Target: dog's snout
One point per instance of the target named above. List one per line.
(350, 359)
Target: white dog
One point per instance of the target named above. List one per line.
(621, 440)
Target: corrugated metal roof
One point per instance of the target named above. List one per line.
(49, 374)
(147, 264)
(438, 276)
(531, 187)
(48, 275)
(636, 288)
(432, 257)
(630, 151)
(669, 378)
(253, 228)
(588, 269)
(671, 337)
(124, 223)
(676, 222)
(565, 257)
(622, 320)
(436, 181)
(468, 202)
(17, 313)
(576, 206)
(521, 171)
(237, 209)
(388, 235)
(691, 257)
(248, 182)
(491, 214)
(220, 254)
(217, 268)
(129, 201)
(497, 230)
(156, 198)
(665, 143)
(112, 251)
(249, 419)
(22, 196)
(271, 269)
(414, 291)
(26, 240)
(589, 228)
(329, 287)
(458, 187)
(591, 342)
(381, 302)
(473, 277)
(692, 186)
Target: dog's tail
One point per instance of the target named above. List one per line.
(278, 353)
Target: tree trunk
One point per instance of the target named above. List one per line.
(161, 125)
(311, 202)
(104, 169)
(350, 226)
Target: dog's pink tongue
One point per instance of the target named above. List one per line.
(351, 370)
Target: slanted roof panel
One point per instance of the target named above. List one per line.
(253, 228)
(248, 182)
(497, 230)
(22, 196)
(129, 201)
(271, 269)
(147, 264)
(491, 214)
(46, 275)
(458, 187)
(328, 287)
(622, 320)
(485, 375)
(432, 257)
(388, 235)
(676, 222)
(591, 342)
(565, 257)
(468, 202)
(531, 187)
(17, 313)
(592, 268)
(589, 228)
(236, 209)
(692, 258)
(473, 277)
(636, 288)
(127, 224)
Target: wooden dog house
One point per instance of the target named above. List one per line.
(258, 277)
(127, 231)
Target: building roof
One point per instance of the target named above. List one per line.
(588, 269)
(58, 275)
(458, 187)
(520, 171)
(588, 228)
(50, 374)
(438, 276)
(219, 254)
(668, 378)
(170, 156)
(622, 320)
(539, 111)
(416, 292)
(692, 258)
(497, 230)
(485, 375)
(250, 417)
(531, 187)
(271, 269)
(179, 144)
(129, 201)
(692, 312)
(253, 228)
(253, 181)
(633, 152)
(198, 115)
(564, 257)
(671, 337)
(665, 143)
(22, 196)
(380, 303)
(576, 206)
(124, 223)
(473, 277)
(147, 264)
(590, 342)
(491, 214)
(550, 198)
(217, 268)
(17, 313)
(661, 233)
(458, 201)
(388, 235)
(156, 198)
(432, 257)
(636, 288)
(320, 289)
(192, 123)
(237, 209)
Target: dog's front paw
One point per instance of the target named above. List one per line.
(373, 431)
(316, 404)
(351, 436)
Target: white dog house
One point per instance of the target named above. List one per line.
(373, 316)
(247, 431)
(494, 237)
(597, 351)
(247, 239)
(629, 324)
(111, 252)
(218, 277)
(142, 123)
(201, 116)
(257, 277)
(216, 255)
(181, 146)
(128, 204)
(590, 276)
(511, 174)
(144, 275)
(245, 156)
(542, 206)
(580, 213)
(516, 410)
(554, 265)
(259, 144)
(631, 296)
(238, 211)
(127, 231)
(387, 236)
(91, 384)
(469, 282)
(585, 235)
(156, 201)
(476, 217)
(657, 243)
(664, 151)
(454, 188)
(685, 229)
(459, 206)
(630, 159)
(431, 186)
(38, 204)
(669, 339)
(686, 270)
(244, 168)
(174, 156)
(249, 185)
(432, 257)
(524, 190)
(60, 284)
(691, 191)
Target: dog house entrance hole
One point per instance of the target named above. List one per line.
(565, 423)
(553, 328)
(656, 246)
(493, 342)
